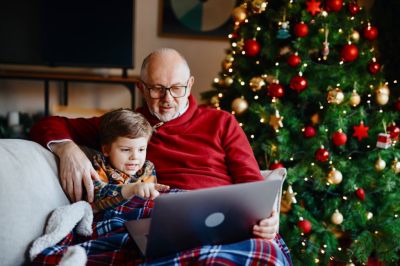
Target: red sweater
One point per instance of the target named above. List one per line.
(202, 148)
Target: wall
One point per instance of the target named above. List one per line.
(204, 57)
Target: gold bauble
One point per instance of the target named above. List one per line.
(239, 14)
(396, 166)
(382, 94)
(226, 64)
(257, 83)
(355, 36)
(334, 177)
(259, 6)
(315, 119)
(380, 164)
(286, 205)
(337, 217)
(369, 215)
(335, 96)
(215, 100)
(228, 81)
(229, 58)
(239, 105)
(355, 99)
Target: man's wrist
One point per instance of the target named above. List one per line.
(57, 146)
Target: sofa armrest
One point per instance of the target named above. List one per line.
(29, 191)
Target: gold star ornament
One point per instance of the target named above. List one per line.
(275, 120)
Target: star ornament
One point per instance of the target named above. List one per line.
(275, 121)
(360, 131)
(313, 7)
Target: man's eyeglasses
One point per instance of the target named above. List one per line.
(159, 91)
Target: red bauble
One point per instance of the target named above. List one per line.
(276, 90)
(305, 226)
(339, 138)
(294, 60)
(251, 47)
(370, 33)
(309, 132)
(276, 165)
(349, 52)
(394, 131)
(334, 5)
(322, 155)
(374, 262)
(301, 29)
(374, 67)
(360, 193)
(298, 83)
(354, 8)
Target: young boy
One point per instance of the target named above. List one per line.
(122, 167)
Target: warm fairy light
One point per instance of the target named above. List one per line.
(380, 111)
(328, 184)
(256, 97)
(319, 58)
(352, 18)
(368, 101)
(330, 162)
(395, 81)
(234, 44)
(257, 62)
(241, 124)
(321, 107)
(368, 146)
(344, 112)
(220, 95)
(326, 130)
(242, 83)
(303, 244)
(230, 70)
(277, 64)
(325, 246)
(243, 52)
(218, 108)
(258, 28)
(322, 251)
(339, 248)
(350, 158)
(344, 197)
(324, 13)
(341, 62)
(305, 179)
(252, 136)
(291, 159)
(262, 120)
(396, 216)
(316, 260)
(312, 164)
(246, 20)
(216, 80)
(376, 232)
(305, 65)
(340, 30)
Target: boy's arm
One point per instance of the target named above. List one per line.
(106, 196)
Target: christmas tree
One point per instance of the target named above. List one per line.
(304, 80)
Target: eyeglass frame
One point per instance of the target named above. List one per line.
(165, 89)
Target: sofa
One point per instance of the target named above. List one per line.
(29, 192)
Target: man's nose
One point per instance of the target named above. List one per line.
(168, 95)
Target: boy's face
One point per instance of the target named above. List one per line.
(127, 155)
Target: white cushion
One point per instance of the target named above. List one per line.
(29, 191)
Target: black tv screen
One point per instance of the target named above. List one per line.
(79, 33)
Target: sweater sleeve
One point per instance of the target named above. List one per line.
(242, 165)
(83, 131)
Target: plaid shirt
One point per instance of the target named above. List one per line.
(107, 190)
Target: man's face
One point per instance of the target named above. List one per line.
(127, 155)
(166, 71)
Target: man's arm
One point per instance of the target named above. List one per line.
(75, 167)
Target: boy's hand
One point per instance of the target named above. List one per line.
(144, 190)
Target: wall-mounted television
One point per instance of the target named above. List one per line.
(77, 33)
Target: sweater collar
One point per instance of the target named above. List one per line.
(186, 116)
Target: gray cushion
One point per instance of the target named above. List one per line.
(29, 191)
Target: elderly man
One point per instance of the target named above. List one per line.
(193, 147)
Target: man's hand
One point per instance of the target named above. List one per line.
(267, 228)
(75, 167)
(144, 190)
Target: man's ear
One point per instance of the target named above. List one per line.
(105, 149)
(140, 86)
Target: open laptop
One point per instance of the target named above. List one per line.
(220, 215)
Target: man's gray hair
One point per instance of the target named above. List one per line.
(160, 51)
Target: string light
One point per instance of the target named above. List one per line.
(256, 97)
(240, 124)
(220, 95)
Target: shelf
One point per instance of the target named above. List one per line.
(129, 82)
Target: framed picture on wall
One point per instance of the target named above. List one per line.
(203, 19)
